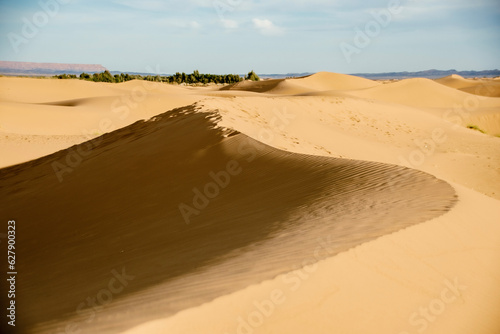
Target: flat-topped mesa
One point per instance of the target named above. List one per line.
(16, 67)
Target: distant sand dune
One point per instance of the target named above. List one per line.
(56, 114)
(483, 87)
(420, 93)
(254, 86)
(334, 81)
(47, 90)
(322, 81)
(490, 89)
(343, 126)
(457, 81)
(448, 93)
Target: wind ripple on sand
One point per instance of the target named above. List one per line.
(119, 208)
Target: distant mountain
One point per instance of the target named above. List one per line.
(139, 73)
(40, 69)
(283, 76)
(430, 74)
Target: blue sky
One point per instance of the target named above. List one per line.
(273, 36)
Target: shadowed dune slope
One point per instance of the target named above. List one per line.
(117, 208)
(255, 86)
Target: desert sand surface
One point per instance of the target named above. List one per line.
(323, 204)
(479, 86)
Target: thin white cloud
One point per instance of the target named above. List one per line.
(165, 5)
(267, 27)
(431, 6)
(175, 23)
(194, 25)
(229, 24)
(149, 5)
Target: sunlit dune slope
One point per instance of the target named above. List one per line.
(30, 90)
(334, 81)
(126, 203)
(372, 130)
(456, 81)
(420, 93)
(41, 116)
(457, 106)
(484, 87)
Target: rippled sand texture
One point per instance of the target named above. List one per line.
(206, 200)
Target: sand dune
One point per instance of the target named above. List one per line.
(323, 81)
(395, 284)
(78, 107)
(254, 86)
(275, 86)
(454, 105)
(369, 130)
(489, 88)
(331, 195)
(328, 191)
(335, 81)
(457, 106)
(483, 87)
(48, 90)
(420, 93)
(457, 81)
(59, 113)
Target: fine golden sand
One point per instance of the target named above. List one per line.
(323, 204)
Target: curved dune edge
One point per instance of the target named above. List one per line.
(467, 158)
(441, 276)
(42, 116)
(119, 208)
(369, 130)
(59, 113)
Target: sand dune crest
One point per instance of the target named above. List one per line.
(182, 157)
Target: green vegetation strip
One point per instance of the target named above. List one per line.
(178, 78)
